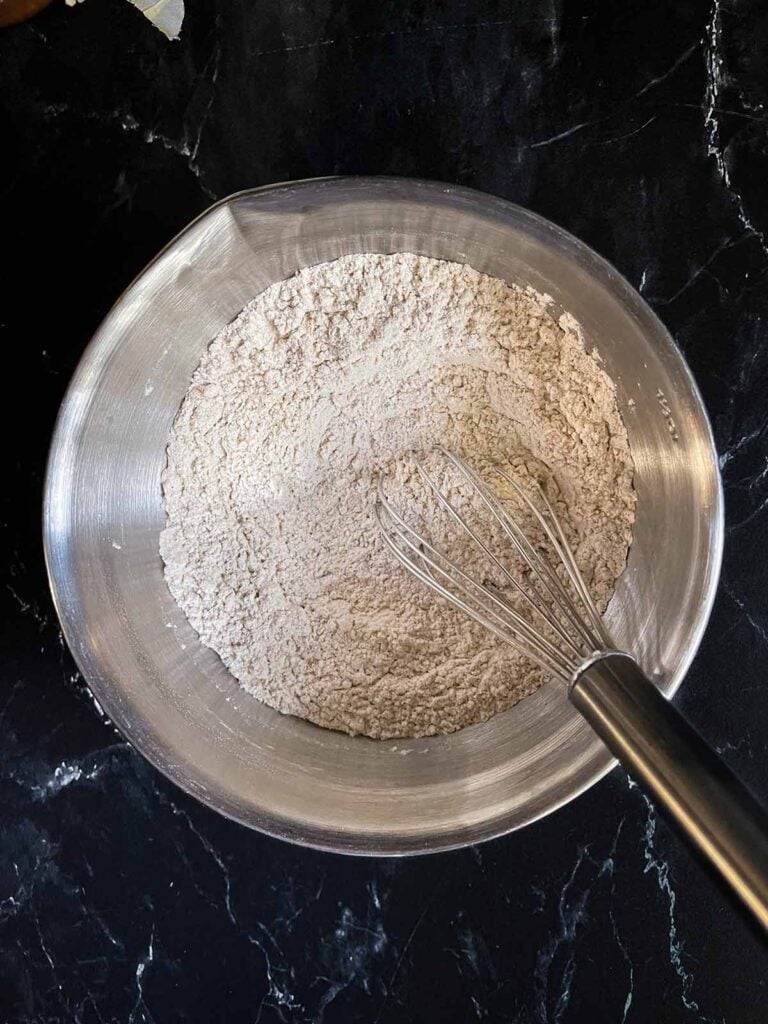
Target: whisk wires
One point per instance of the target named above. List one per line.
(562, 625)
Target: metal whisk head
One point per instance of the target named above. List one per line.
(556, 623)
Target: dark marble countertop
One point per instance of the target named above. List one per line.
(642, 128)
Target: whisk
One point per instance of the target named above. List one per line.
(548, 614)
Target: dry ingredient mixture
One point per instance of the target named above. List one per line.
(271, 548)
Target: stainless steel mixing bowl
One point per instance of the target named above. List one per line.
(174, 699)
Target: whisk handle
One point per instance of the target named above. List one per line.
(680, 772)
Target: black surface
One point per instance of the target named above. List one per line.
(639, 127)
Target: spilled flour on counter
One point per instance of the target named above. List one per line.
(271, 548)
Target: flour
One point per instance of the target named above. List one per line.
(271, 548)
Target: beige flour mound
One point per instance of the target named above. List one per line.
(271, 547)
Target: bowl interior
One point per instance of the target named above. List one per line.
(175, 700)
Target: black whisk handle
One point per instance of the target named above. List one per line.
(680, 772)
